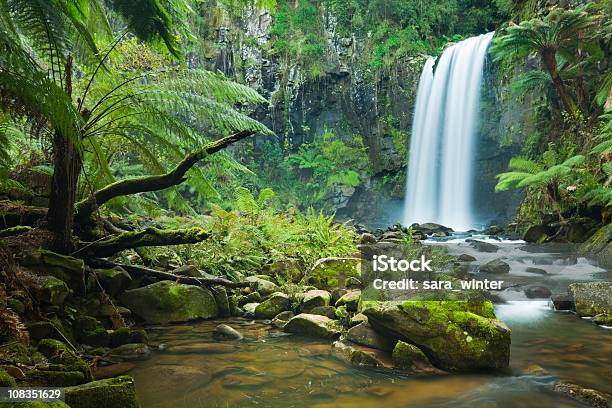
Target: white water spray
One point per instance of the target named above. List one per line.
(441, 158)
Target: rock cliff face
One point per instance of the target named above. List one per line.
(352, 98)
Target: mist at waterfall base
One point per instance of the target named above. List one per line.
(441, 162)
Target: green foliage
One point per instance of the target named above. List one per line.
(246, 239)
(123, 108)
(326, 164)
(568, 43)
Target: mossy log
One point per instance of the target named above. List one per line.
(138, 271)
(9, 232)
(147, 237)
(85, 208)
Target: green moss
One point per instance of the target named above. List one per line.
(108, 393)
(53, 378)
(59, 353)
(62, 261)
(449, 332)
(120, 337)
(53, 291)
(330, 271)
(350, 300)
(276, 303)
(406, 356)
(165, 301)
(313, 326)
(6, 380)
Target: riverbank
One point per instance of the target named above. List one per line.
(270, 316)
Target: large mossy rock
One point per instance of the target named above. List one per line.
(311, 325)
(455, 335)
(333, 272)
(64, 359)
(350, 300)
(166, 301)
(109, 393)
(51, 290)
(599, 246)
(264, 286)
(113, 280)
(409, 357)
(66, 268)
(361, 356)
(6, 380)
(538, 233)
(276, 303)
(591, 298)
(365, 335)
(314, 298)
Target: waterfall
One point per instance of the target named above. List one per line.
(441, 157)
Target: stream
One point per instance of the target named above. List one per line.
(269, 369)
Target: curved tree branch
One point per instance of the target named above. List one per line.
(85, 208)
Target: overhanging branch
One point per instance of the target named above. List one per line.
(85, 208)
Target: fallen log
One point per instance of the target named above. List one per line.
(160, 275)
(145, 238)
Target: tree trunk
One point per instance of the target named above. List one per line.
(67, 168)
(550, 62)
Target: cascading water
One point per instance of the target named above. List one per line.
(441, 158)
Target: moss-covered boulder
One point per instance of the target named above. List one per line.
(51, 290)
(314, 298)
(276, 303)
(311, 325)
(329, 311)
(599, 246)
(361, 356)
(365, 335)
(591, 298)
(603, 319)
(455, 335)
(113, 280)
(166, 301)
(264, 286)
(350, 300)
(333, 272)
(48, 329)
(54, 378)
(63, 267)
(410, 358)
(282, 318)
(88, 330)
(109, 393)
(6, 380)
(538, 233)
(222, 300)
(63, 358)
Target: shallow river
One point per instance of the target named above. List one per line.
(268, 369)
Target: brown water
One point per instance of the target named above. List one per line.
(269, 369)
